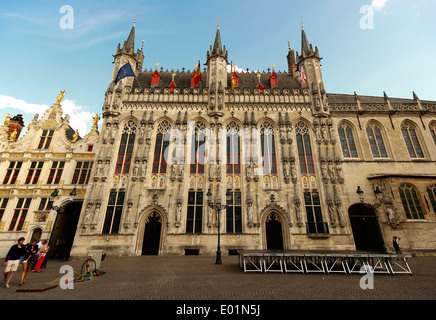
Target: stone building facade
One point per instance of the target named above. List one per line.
(47, 168)
(290, 156)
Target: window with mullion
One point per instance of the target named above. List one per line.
(82, 172)
(315, 223)
(3, 204)
(46, 138)
(233, 153)
(194, 216)
(125, 152)
(113, 213)
(234, 213)
(346, 138)
(376, 142)
(161, 152)
(269, 163)
(45, 205)
(411, 204)
(12, 172)
(20, 214)
(197, 152)
(431, 191)
(34, 172)
(433, 131)
(411, 140)
(305, 154)
(56, 172)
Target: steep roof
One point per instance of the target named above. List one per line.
(247, 80)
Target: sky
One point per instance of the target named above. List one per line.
(368, 46)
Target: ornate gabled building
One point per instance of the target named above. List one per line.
(47, 169)
(288, 155)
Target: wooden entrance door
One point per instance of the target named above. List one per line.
(366, 230)
(274, 235)
(153, 227)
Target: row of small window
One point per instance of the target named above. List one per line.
(81, 173)
(21, 209)
(195, 213)
(233, 149)
(376, 141)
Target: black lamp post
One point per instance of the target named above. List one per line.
(360, 194)
(378, 195)
(218, 207)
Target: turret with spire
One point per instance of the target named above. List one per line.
(126, 53)
(217, 75)
(309, 61)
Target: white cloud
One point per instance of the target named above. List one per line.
(379, 4)
(80, 118)
(235, 68)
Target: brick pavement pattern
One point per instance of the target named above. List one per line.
(198, 278)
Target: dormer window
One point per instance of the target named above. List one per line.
(46, 138)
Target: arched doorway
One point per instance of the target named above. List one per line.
(366, 230)
(273, 230)
(36, 234)
(153, 227)
(64, 229)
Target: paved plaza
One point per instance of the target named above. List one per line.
(199, 278)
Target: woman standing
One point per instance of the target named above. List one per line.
(30, 256)
(42, 254)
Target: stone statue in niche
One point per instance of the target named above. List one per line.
(106, 169)
(178, 213)
(331, 169)
(136, 168)
(143, 168)
(181, 171)
(141, 132)
(392, 217)
(249, 172)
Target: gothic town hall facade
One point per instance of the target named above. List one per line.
(297, 168)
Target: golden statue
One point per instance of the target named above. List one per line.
(75, 136)
(60, 96)
(96, 118)
(14, 134)
(7, 119)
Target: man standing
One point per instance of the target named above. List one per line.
(12, 261)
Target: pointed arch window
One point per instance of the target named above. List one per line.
(411, 204)
(269, 162)
(233, 149)
(304, 149)
(161, 148)
(346, 138)
(411, 140)
(125, 151)
(375, 139)
(431, 191)
(198, 148)
(433, 131)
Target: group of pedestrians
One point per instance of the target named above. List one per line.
(30, 256)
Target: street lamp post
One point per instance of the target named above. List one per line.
(218, 207)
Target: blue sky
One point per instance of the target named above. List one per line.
(38, 58)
